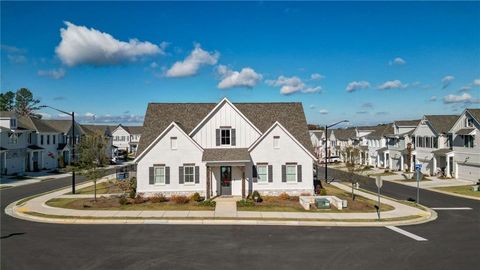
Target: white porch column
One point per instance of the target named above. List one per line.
(384, 160)
(447, 173)
(434, 159)
(401, 162)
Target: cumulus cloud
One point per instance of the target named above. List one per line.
(447, 80)
(476, 82)
(247, 77)
(52, 73)
(357, 85)
(15, 55)
(316, 76)
(290, 85)
(190, 66)
(87, 46)
(463, 98)
(397, 61)
(395, 84)
(465, 88)
(323, 111)
(433, 98)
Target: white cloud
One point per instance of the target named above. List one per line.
(17, 58)
(52, 73)
(15, 55)
(317, 76)
(465, 88)
(447, 80)
(312, 107)
(357, 85)
(87, 46)
(323, 111)
(433, 98)
(153, 65)
(367, 105)
(463, 98)
(89, 114)
(247, 77)
(397, 61)
(395, 84)
(290, 85)
(190, 66)
(476, 82)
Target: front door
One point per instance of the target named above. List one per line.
(225, 180)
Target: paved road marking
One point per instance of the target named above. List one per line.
(408, 234)
(451, 208)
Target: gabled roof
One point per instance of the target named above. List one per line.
(188, 115)
(7, 114)
(475, 113)
(226, 155)
(380, 131)
(441, 123)
(61, 125)
(133, 129)
(407, 123)
(317, 133)
(343, 134)
(98, 129)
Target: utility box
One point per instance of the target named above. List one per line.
(344, 203)
(322, 203)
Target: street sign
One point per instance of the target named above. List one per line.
(418, 167)
(379, 181)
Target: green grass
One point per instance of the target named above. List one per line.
(76, 203)
(102, 188)
(462, 190)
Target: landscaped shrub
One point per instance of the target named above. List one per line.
(387, 171)
(179, 199)
(140, 199)
(256, 196)
(208, 202)
(323, 192)
(158, 198)
(305, 194)
(284, 196)
(122, 200)
(245, 203)
(196, 197)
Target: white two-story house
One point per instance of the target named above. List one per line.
(466, 145)
(225, 149)
(377, 144)
(14, 142)
(126, 138)
(399, 144)
(433, 144)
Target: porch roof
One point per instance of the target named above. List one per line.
(383, 149)
(35, 147)
(465, 131)
(226, 155)
(442, 152)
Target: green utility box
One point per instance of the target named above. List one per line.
(322, 203)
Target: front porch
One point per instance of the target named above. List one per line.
(443, 162)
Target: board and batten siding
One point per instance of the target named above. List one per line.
(161, 153)
(288, 152)
(226, 116)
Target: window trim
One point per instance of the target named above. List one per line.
(155, 167)
(229, 136)
(287, 174)
(172, 146)
(277, 140)
(185, 175)
(266, 173)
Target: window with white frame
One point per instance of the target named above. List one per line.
(41, 139)
(468, 141)
(262, 173)
(276, 142)
(13, 139)
(13, 123)
(189, 174)
(468, 122)
(225, 136)
(173, 143)
(159, 174)
(291, 172)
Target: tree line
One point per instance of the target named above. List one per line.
(21, 102)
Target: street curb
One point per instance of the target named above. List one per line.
(453, 194)
(12, 211)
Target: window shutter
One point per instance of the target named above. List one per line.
(270, 173)
(167, 175)
(233, 137)
(151, 179)
(254, 173)
(217, 137)
(284, 173)
(299, 173)
(197, 174)
(180, 174)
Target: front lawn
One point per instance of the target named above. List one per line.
(382, 174)
(277, 204)
(109, 187)
(463, 190)
(104, 203)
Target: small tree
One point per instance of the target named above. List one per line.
(351, 156)
(7, 101)
(25, 103)
(92, 156)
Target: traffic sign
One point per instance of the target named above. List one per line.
(379, 181)
(418, 167)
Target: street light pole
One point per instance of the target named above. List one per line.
(72, 158)
(326, 140)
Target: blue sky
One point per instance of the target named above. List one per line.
(367, 62)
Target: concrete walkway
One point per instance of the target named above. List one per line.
(225, 213)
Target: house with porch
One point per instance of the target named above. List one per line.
(377, 143)
(13, 144)
(126, 138)
(106, 133)
(225, 148)
(399, 144)
(433, 149)
(466, 145)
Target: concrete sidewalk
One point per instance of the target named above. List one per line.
(225, 213)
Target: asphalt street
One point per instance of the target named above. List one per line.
(453, 241)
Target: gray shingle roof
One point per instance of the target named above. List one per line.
(406, 123)
(134, 129)
(442, 152)
(7, 113)
(464, 131)
(188, 115)
(99, 129)
(475, 113)
(441, 123)
(380, 131)
(231, 154)
(344, 134)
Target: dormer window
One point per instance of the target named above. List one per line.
(13, 123)
(468, 122)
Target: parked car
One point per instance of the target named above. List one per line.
(332, 159)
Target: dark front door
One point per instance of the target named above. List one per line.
(225, 180)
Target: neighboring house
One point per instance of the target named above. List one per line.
(13, 144)
(433, 144)
(377, 143)
(225, 149)
(466, 145)
(104, 131)
(398, 144)
(127, 138)
(344, 138)
(317, 137)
